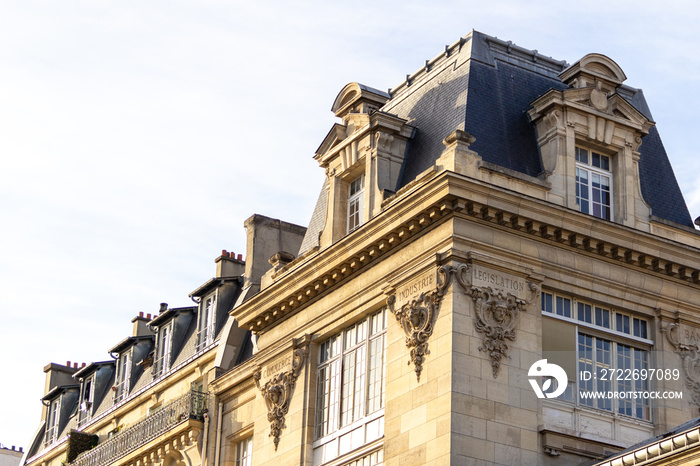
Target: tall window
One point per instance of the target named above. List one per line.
(351, 387)
(121, 387)
(595, 340)
(207, 320)
(356, 202)
(163, 348)
(86, 399)
(244, 452)
(52, 421)
(593, 183)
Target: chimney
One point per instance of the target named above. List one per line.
(141, 325)
(228, 266)
(57, 374)
(265, 238)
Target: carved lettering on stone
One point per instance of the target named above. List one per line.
(277, 391)
(685, 342)
(497, 310)
(415, 306)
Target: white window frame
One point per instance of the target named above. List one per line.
(53, 416)
(207, 321)
(244, 452)
(339, 411)
(86, 403)
(164, 345)
(598, 332)
(123, 376)
(356, 203)
(592, 171)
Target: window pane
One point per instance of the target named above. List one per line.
(624, 362)
(584, 313)
(602, 317)
(546, 302)
(603, 361)
(563, 307)
(585, 363)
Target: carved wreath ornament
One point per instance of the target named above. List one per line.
(277, 393)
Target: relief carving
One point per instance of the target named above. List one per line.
(417, 315)
(690, 359)
(496, 317)
(277, 392)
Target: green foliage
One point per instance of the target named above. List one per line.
(79, 442)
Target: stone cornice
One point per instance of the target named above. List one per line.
(451, 194)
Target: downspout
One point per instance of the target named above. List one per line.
(218, 433)
(204, 439)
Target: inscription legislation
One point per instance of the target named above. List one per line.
(483, 277)
(413, 288)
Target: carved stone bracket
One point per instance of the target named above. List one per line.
(416, 319)
(277, 392)
(417, 316)
(496, 317)
(690, 358)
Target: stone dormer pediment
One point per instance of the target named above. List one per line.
(332, 139)
(593, 117)
(358, 98)
(591, 69)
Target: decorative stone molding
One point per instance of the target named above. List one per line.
(277, 392)
(416, 319)
(416, 316)
(496, 317)
(587, 243)
(690, 358)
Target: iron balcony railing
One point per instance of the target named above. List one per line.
(188, 406)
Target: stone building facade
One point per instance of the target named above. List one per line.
(499, 226)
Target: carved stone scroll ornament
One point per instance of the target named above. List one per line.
(690, 358)
(277, 393)
(496, 317)
(416, 317)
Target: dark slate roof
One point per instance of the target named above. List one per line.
(487, 93)
(659, 186)
(318, 219)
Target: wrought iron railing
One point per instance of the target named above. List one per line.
(189, 406)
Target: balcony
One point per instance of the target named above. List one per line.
(190, 406)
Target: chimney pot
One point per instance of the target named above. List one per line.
(140, 314)
(224, 253)
(83, 365)
(240, 257)
(163, 307)
(148, 316)
(68, 363)
(75, 365)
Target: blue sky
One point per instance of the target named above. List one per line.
(136, 137)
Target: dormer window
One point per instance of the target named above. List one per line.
(207, 321)
(163, 350)
(52, 420)
(593, 183)
(87, 397)
(121, 386)
(356, 197)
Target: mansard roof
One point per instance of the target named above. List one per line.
(487, 89)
